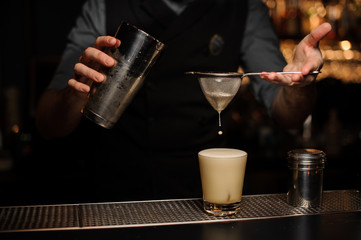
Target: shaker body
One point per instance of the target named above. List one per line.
(134, 57)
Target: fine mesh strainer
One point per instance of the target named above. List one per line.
(220, 87)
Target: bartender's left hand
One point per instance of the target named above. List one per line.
(307, 58)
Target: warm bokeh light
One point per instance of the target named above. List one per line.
(345, 45)
(15, 128)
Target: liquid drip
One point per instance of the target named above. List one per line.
(219, 122)
(219, 119)
(219, 101)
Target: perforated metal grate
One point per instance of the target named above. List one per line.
(38, 217)
(164, 212)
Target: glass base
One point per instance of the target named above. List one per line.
(221, 209)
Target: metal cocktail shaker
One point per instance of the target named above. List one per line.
(306, 182)
(135, 56)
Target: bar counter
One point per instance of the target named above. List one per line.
(265, 216)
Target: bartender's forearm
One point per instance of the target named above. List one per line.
(59, 112)
(292, 105)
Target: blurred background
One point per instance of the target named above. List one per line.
(34, 35)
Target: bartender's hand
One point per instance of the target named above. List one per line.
(91, 60)
(307, 58)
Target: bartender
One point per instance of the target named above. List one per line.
(152, 151)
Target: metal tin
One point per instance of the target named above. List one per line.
(135, 57)
(306, 167)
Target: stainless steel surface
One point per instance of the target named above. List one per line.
(281, 73)
(134, 57)
(242, 75)
(306, 168)
(163, 212)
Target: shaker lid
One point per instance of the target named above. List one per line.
(306, 155)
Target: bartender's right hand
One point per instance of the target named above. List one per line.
(85, 71)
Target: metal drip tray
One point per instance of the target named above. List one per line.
(161, 212)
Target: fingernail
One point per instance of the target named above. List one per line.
(99, 77)
(85, 89)
(111, 40)
(109, 61)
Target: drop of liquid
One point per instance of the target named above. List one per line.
(219, 118)
(220, 132)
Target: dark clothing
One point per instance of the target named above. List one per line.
(152, 151)
(171, 111)
(157, 139)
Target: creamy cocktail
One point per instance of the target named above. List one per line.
(222, 173)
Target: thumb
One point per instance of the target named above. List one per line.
(317, 34)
